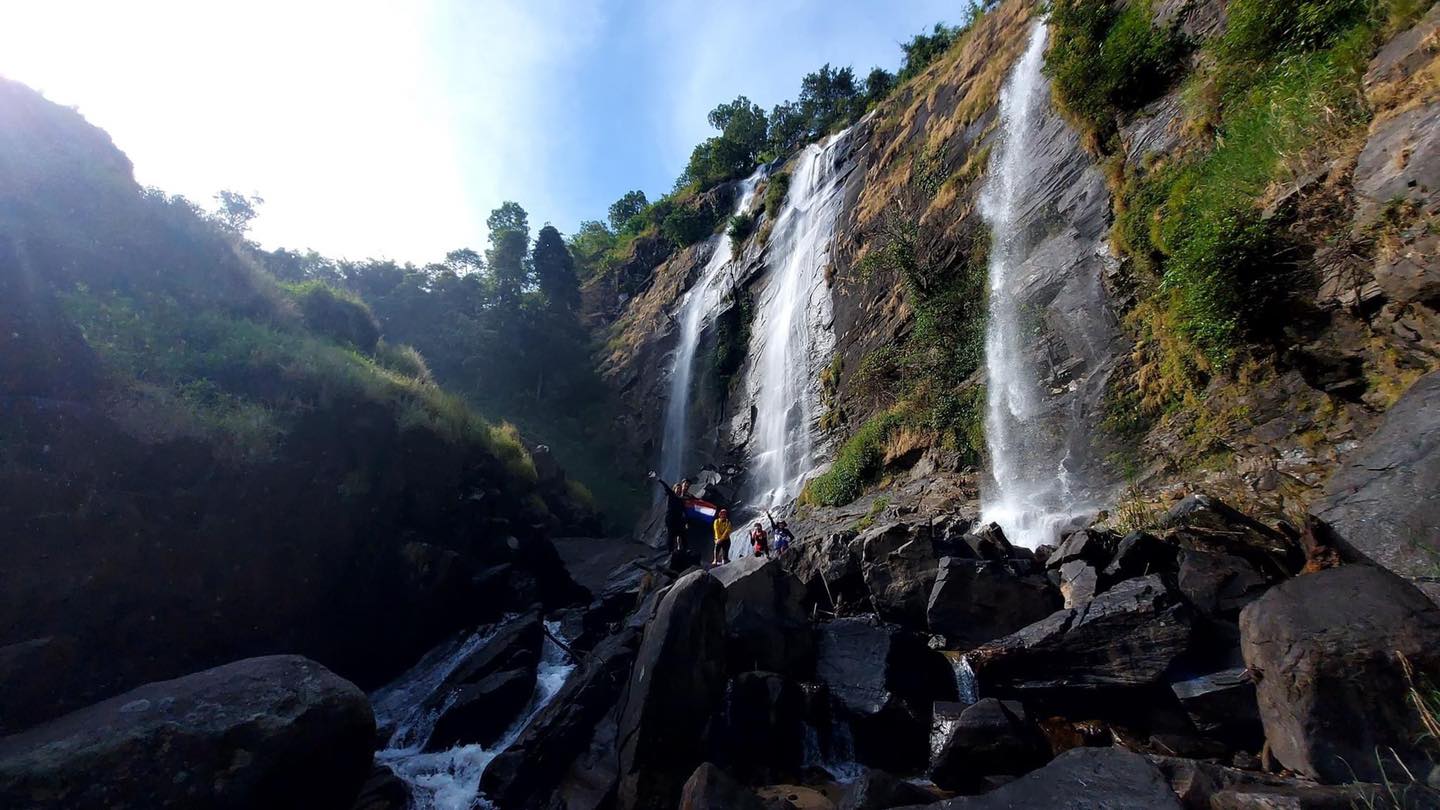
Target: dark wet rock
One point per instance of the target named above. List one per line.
(1202, 523)
(1302, 796)
(278, 731)
(710, 788)
(766, 621)
(1218, 584)
(1079, 582)
(1128, 636)
(1197, 783)
(1325, 648)
(764, 731)
(677, 682)
(1093, 547)
(829, 568)
(977, 601)
(382, 791)
(1222, 705)
(1139, 554)
(900, 578)
(480, 712)
(878, 790)
(883, 682)
(1080, 779)
(1383, 503)
(989, 738)
(989, 542)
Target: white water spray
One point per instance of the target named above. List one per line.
(698, 304)
(1030, 497)
(791, 338)
(450, 780)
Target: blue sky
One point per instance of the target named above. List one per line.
(385, 128)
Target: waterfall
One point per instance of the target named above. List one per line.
(699, 302)
(791, 339)
(450, 780)
(1031, 495)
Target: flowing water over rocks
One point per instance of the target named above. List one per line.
(792, 338)
(699, 304)
(1049, 336)
(450, 779)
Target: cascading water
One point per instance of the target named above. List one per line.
(1031, 496)
(450, 780)
(791, 339)
(698, 304)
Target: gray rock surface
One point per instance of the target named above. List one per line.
(1384, 502)
(977, 601)
(1079, 779)
(1331, 689)
(766, 621)
(678, 680)
(278, 731)
(710, 788)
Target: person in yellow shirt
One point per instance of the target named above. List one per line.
(722, 538)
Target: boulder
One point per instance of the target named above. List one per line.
(1093, 547)
(1326, 649)
(765, 618)
(1139, 554)
(829, 568)
(878, 790)
(764, 730)
(1204, 785)
(1202, 523)
(677, 682)
(481, 712)
(1218, 584)
(710, 788)
(988, 542)
(1079, 582)
(1127, 636)
(278, 731)
(383, 791)
(899, 577)
(524, 774)
(976, 601)
(1382, 503)
(1079, 779)
(989, 738)
(1222, 706)
(883, 682)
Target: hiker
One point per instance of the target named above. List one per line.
(759, 540)
(783, 536)
(722, 538)
(676, 527)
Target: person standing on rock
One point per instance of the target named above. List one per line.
(676, 527)
(781, 532)
(722, 538)
(759, 540)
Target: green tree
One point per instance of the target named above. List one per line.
(627, 207)
(878, 85)
(235, 211)
(510, 270)
(464, 261)
(922, 49)
(555, 271)
(735, 151)
(788, 128)
(588, 246)
(829, 98)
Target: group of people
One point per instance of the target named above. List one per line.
(681, 507)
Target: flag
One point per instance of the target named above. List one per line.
(697, 509)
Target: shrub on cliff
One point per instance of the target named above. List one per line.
(337, 314)
(856, 464)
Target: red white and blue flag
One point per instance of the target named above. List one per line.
(697, 509)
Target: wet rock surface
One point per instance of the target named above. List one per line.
(977, 601)
(989, 738)
(278, 731)
(1081, 779)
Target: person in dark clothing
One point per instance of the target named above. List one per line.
(759, 541)
(676, 525)
(782, 534)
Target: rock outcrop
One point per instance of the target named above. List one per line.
(677, 681)
(977, 601)
(1329, 651)
(1080, 779)
(1383, 501)
(765, 618)
(710, 788)
(989, 738)
(279, 731)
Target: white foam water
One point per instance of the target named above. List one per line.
(450, 779)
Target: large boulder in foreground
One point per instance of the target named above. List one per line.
(1326, 649)
(1383, 502)
(988, 738)
(765, 618)
(883, 682)
(975, 601)
(1127, 636)
(1079, 779)
(278, 731)
(677, 683)
(710, 788)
